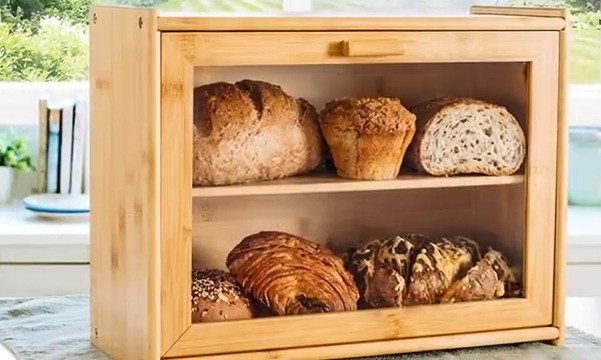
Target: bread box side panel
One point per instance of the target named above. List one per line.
(124, 194)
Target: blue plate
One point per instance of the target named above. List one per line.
(58, 204)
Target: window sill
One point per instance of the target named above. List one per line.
(27, 239)
(24, 238)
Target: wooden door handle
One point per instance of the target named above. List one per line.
(372, 47)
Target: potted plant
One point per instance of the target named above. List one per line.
(13, 157)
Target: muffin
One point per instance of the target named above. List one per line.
(216, 296)
(367, 137)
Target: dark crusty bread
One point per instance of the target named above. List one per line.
(437, 265)
(458, 135)
(484, 281)
(252, 131)
(292, 275)
(414, 269)
(381, 269)
(367, 137)
(217, 296)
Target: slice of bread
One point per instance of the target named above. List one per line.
(465, 136)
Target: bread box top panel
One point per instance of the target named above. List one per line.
(178, 21)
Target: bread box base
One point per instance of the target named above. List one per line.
(390, 347)
(150, 226)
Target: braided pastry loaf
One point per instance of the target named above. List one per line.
(416, 270)
(292, 275)
(465, 136)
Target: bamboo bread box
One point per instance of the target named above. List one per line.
(278, 187)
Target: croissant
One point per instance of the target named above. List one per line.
(292, 275)
(487, 280)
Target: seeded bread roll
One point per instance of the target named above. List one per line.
(437, 265)
(381, 269)
(292, 275)
(485, 281)
(465, 136)
(252, 131)
(367, 137)
(216, 296)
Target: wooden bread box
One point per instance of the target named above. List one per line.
(301, 140)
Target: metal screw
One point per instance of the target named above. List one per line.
(94, 18)
(140, 22)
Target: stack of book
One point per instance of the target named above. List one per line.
(64, 147)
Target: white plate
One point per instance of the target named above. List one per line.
(58, 204)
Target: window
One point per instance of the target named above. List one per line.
(46, 42)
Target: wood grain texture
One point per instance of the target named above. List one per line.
(513, 11)
(389, 347)
(359, 326)
(562, 185)
(343, 220)
(177, 21)
(217, 227)
(541, 172)
(149, 226)
(495, 81)
(287, 48)
(329, 183)
(176, 187)
(124, 195)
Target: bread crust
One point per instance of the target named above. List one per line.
(488, 279)
(437, 265)
(251, 131)
(292, 275)
(428, 114)
(381, 269)
(216, 296)
(368, 116)
(367, 137)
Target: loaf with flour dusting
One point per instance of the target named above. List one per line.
(252, 131)
(458, 135)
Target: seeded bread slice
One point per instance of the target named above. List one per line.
(465, 136)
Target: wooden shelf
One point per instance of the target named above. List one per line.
(328, 182)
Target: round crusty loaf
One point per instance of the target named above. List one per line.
(465, 136)
(252, 131)
(216, 296)
(367, 137)
(292, 275)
